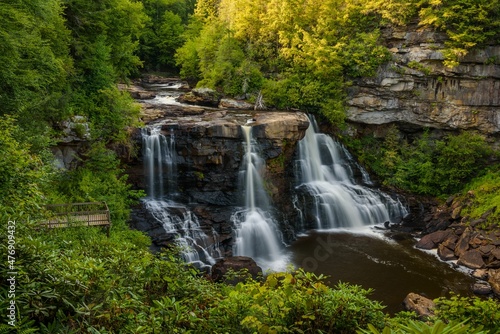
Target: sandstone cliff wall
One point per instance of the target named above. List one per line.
(415, 90)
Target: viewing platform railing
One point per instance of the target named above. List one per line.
(78, 214)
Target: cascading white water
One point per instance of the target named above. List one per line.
(256, 232)
(325, 172)
(159, 162)
(177, 220)
(196, 247)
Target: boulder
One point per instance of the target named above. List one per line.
(445, 253)
(201, 96)
(432, 240)
(463, 242)
(495, 253)
(239, 269)
(235, 104)
(486, 249)
(481, 288)
(471, 259)
(481, 274)
(494, 280)
(422, 306)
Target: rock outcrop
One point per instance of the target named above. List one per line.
(202, 96)
(416, 90)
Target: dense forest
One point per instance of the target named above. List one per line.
(64, 58)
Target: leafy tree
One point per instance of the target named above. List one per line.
(163, 33)
(35, 64)
(22, 174)
(468, 23)
(113, 25)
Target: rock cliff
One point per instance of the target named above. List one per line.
(415, 90)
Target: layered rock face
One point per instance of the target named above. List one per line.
(210, 149)
(209, 154)
(416, 90)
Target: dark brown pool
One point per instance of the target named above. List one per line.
(368, 258)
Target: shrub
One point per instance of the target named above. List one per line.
(478, 312)
(295, 302)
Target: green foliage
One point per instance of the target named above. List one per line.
(419, 327)
(103, 48)
(105, 29)
(427, 166)
(77, 279)
(398, 12)
(419, 67)
(35, 63)
(468, 23)
(295, 302)
(485, 197)
(219, 61)
(23, 175)
(100, 179)
(480, 313)
(307, 52)
(163, 33)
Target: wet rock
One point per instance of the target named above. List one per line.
(471, 259)
(151, 80)
(481, 274)
(137, 92)
(481, 288)
(458, 228)
(233, 265)
(463, 242)
(494, 280)
(492, 263)
(235, 104)
(477, 240)
(422, 306)
(445, 253)
(432, 240)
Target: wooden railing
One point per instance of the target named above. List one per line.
(78, 214)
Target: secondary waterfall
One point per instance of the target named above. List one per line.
(324, 171)
(177, 220)
(159, 162)
(256, 231)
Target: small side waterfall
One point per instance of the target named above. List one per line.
(256, 231)
(177, 220)
(324, 171)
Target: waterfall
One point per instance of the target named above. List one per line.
(159, 162)
(325, 173)
(177, 220)
(256, 231)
